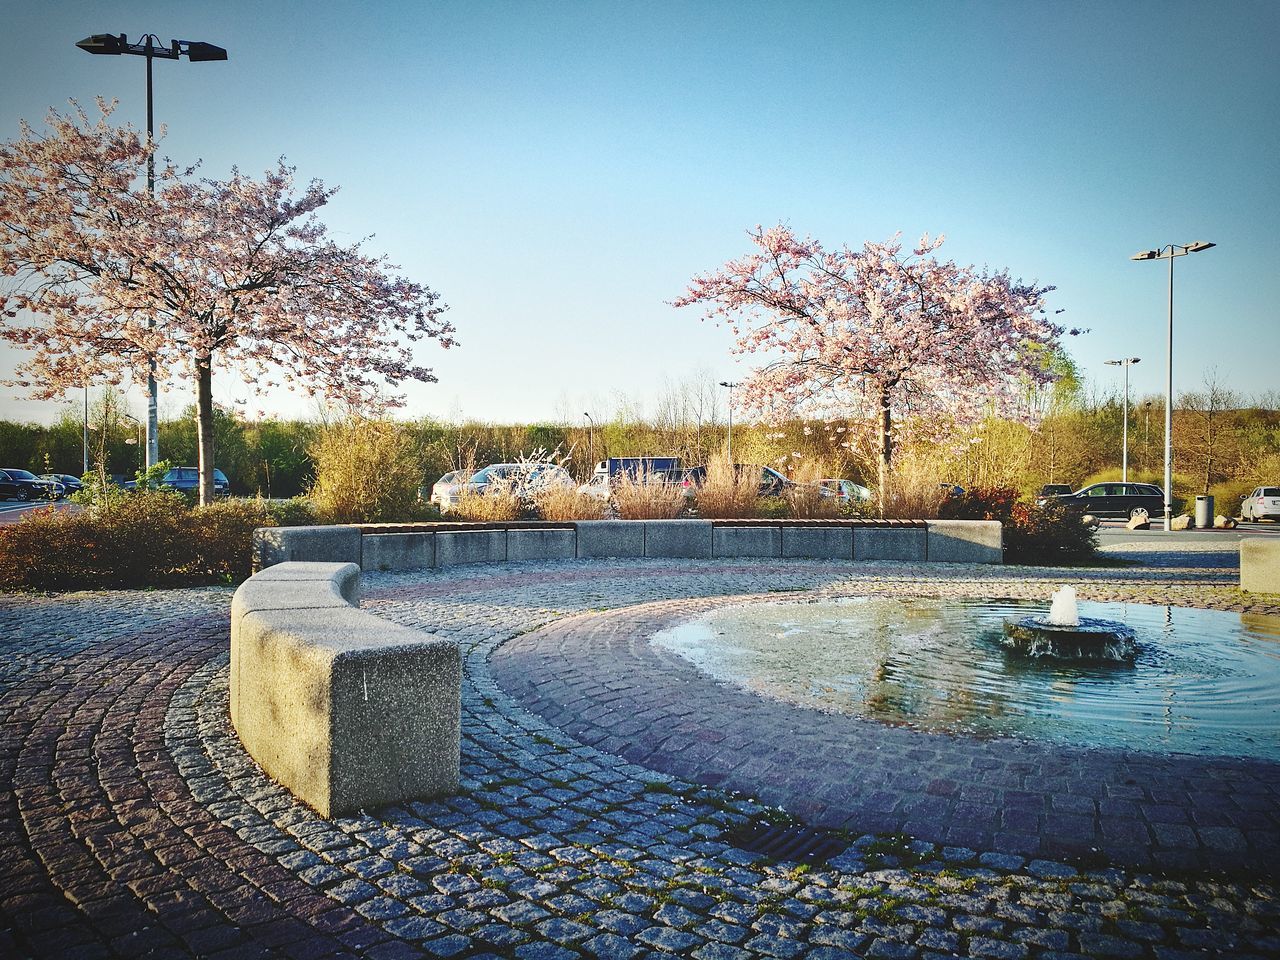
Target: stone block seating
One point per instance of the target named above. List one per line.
(1260, 565)
(346, 710)
(413, 546)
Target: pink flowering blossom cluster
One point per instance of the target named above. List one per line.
(104, 278)
(901, 337)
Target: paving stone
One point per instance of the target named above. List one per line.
(113, 713)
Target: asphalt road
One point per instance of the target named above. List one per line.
(1112, 533)
(12, 510)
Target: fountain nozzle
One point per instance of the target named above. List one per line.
(1062, 608)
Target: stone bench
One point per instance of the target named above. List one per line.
(415, 546)
(346, 710)
(1260, 565)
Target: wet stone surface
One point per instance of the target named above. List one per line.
(132, 824)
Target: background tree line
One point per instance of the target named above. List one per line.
(1224, 444)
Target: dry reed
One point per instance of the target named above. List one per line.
(568, 503)
(646, 497)
(729, 493)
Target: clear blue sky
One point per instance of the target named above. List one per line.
(558, 170)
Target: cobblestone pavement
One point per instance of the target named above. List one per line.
(131, 823)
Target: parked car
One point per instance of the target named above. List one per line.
(16, 484)
(522, 479)
(846, 490)
(72, 484)
(187, 480)
(444, 491)
(1054, 489)
(608, 473)
(1262, 504)
(635, 467)
(1122, 500)
(772, 483)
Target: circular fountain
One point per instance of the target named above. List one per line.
(1155, 678)
(1064, 635)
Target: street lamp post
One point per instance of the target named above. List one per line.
(730, 385)
(84, 434)
(591, 445)
(1127, 362)
(1146, 437)
(1168, 253)
(111, 44)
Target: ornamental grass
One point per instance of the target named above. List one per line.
(729, 493)
(646, 496)
(560, 504)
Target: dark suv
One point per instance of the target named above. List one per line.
(1122, 500)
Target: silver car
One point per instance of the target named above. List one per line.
(444, 492)
(845, 490)
(1262, 504)
(522, 479)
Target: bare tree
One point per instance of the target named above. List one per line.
(1211, 444)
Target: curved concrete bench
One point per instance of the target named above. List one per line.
(344, 709)
(412, 546)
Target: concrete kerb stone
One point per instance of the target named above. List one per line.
(889, 543)
(476, 546)
(550, 544)
(821, 543)
(1260, 565)
(746, 541)
(330, 544)
(610, 538)
(677, 538)
(344, 709)
(964, 541)
(398, 551)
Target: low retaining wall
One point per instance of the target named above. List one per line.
(346, 710)
(1260, 565)
(414, 546)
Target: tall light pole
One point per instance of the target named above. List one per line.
(1168, 253)
(730, 385)
(1127, 362)
(84, 435)
(1146, 438)
(149, 46)
(591, 444)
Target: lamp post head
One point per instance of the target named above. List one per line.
(1146, 255)
(1133, 360)
(727, 383)
(103, 43)
(1199, 245)
(197, 51)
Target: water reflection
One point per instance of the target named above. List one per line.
(1203, 681)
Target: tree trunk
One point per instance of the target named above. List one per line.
(886, 447)
(204, 426)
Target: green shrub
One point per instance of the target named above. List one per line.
(222, 538)
(296, 512)
(1048, 534)
(148, 539)
(980, 503)
(1051, 533)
